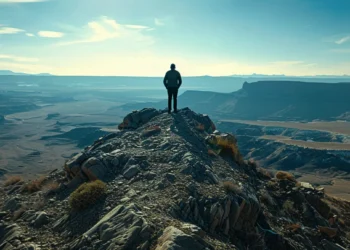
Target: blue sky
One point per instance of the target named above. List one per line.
(203, 37)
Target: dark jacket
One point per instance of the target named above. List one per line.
(172, 79)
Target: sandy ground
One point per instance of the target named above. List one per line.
(308, 144)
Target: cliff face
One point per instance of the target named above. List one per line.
(294, 100)
(171, 182)
(271, 100)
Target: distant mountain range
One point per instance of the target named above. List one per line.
(9, 72)
(254, 75)
(269, 100)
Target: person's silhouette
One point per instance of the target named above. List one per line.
(172, 81)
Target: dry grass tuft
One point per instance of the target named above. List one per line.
(264, 173)
(87, 194)
(331, 232)
(51, 186)
(283, 175)
(294, 227)
(11, 180)
(231, 188)
(228, 146)
(211, 152)
(35, 185)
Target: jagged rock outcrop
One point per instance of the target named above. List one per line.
(173, 182)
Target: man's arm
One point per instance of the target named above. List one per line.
(165, 80)
(180, 80)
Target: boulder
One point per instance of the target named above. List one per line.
(175, 239)
(8, 232)
(94, 169)
(41, 219)
(131, 171)
(122, 228)
(12, 204)
(138, 118)
(72, 166)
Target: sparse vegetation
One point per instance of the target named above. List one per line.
(211, 152)
(228, 146)
(231, 188)
(87, 194)
(264, 173)
(271, 184)
(288, 206)
(51, 186)
(294, 227)
(283, 175)
(331, 232)
(11, 180)
(35, 185)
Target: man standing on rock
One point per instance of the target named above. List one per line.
(172, 81)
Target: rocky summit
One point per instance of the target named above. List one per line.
(166, 182)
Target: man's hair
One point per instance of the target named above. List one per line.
(172, 66)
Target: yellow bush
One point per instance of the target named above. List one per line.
(87, 194)
(228, 144)
(282, 175)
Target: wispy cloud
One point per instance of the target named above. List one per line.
(9, 30)
(18, 58)
(105, 29)
(138, 27)
(158, 22)
(50, 34)
(29, 34)
(343, 40)
(21, 1)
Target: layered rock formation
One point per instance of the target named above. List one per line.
(174, 182)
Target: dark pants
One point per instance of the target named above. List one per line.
(172, 93)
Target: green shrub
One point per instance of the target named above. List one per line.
(87, 194)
